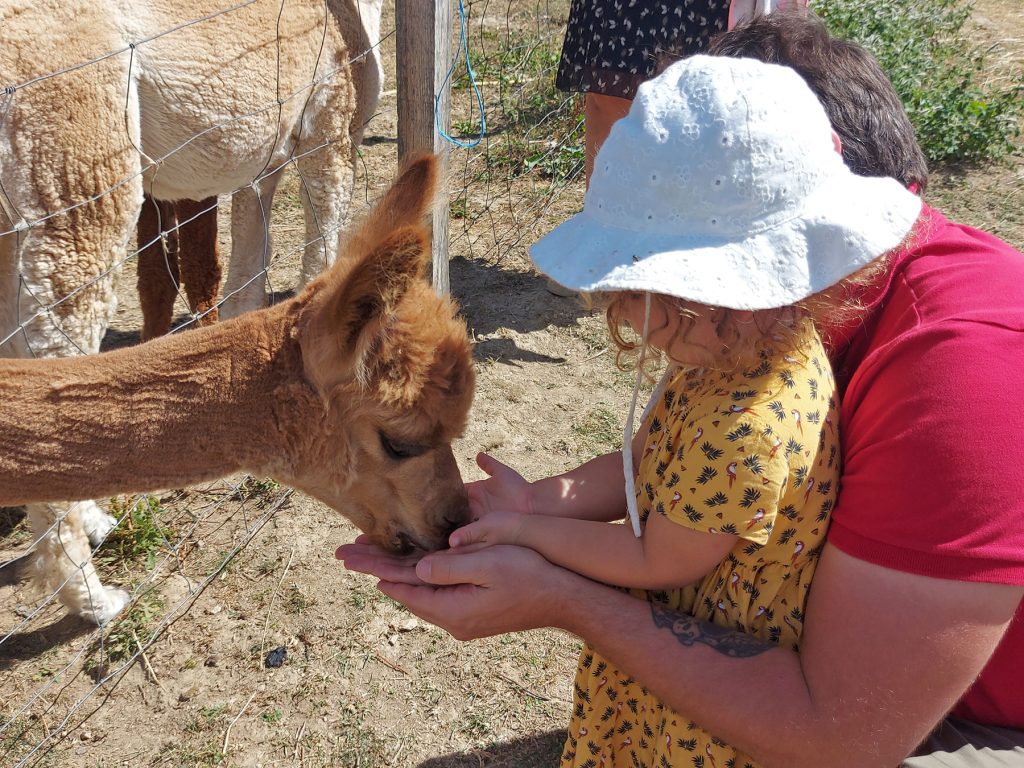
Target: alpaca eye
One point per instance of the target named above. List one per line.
(398, 450)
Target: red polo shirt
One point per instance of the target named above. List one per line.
(933, 432)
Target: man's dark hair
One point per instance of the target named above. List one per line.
(866, 112)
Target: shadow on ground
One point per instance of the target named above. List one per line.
(22, 646)
(492, 297)
(541, 751)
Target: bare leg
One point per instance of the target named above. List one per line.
(600, 113)
(327, 176)
(251, 249)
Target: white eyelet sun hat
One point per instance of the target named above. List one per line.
(722, 186)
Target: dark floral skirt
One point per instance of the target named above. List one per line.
(611, 46)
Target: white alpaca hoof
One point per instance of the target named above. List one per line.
(107, 605)
(96, 523)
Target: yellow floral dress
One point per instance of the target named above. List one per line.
(753, 453)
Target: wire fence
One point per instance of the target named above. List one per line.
(516, 167)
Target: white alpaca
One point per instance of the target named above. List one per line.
(202, 110)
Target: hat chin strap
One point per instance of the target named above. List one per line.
(627, 433)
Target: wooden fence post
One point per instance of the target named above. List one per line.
(423, 38)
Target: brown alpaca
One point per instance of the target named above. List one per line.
(352, 392)
(187, 258)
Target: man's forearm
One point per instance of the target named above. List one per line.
(726, 681)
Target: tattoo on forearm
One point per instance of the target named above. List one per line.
(690, 631)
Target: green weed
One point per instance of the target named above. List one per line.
(198, 756)
(356, 744)
(20, 737)
(532, 127)
(959, 113)
(139, 534)
(599, 431)
(260, 491)
(130, 633)
(296, 600)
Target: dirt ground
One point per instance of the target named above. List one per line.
(363, 683)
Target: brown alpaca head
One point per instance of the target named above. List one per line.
(392, 364)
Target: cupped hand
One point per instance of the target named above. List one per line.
(473, 593)
(364, 557)
(504, 489)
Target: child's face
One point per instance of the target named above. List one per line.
(698, 345)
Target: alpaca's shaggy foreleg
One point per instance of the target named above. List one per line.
(61, 560)
(251, 248)
(64, 300)
(327, 174)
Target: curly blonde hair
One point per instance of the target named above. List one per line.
(743, 334)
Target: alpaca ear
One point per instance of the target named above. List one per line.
(346, 324)
(347, 308)
(406, 203)
(410, 196)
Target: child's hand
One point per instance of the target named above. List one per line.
(504, 489)
(495, 528)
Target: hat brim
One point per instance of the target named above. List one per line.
(846, 223)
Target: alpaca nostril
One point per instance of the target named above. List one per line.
(405, 543)
(451, 523)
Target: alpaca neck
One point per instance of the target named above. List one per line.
(175, 411)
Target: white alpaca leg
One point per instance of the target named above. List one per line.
(328, 176)
(251, 249)
(96, 523)
(367, 68)
(62, 563)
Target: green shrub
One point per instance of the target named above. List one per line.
(958, 111)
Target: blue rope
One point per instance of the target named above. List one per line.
(463, 45)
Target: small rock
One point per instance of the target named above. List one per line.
(211, 661)
(406, 626)
(276, 657)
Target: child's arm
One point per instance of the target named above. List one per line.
(667, 555)
(592, 491)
